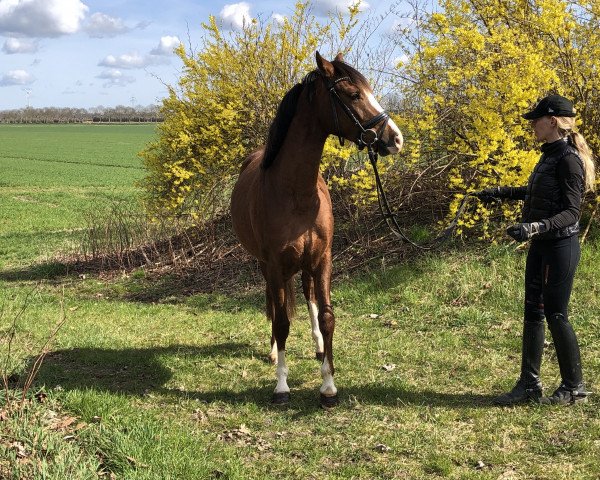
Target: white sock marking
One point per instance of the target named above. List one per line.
(282, 373)
(313, 311)
(328, 388)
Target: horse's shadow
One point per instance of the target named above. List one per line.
(142, 371)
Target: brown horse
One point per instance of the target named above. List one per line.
(281, 209)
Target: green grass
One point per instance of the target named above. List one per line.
(53, 176)
(178, 388)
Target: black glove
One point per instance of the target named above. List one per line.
(488, 195)
(522, 232)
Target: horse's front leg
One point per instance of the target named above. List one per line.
(322, 278)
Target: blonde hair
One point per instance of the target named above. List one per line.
(566, 127)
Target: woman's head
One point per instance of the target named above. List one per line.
(553, 118)
(544, 117)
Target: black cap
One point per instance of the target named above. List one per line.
(554, 105)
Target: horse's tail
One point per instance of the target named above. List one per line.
(290, 301)
(290, 298)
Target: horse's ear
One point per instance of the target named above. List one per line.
(325, 67)
(339, 57)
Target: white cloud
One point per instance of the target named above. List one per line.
(278, 18)
(41, 18)
(235, 15)
(102, 25)
(115, 78)
(130, 60)
(399, 61)
(324, 7)
(16, 77)
(166, 46)
(15, 45)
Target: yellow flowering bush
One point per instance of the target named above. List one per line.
(224, 103)
(476, 66)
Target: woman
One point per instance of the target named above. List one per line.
(550, 218)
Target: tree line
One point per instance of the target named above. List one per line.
(100, 114)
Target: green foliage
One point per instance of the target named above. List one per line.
(477, 66)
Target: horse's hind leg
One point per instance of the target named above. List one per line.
(308, 287)
(271, 317)
(280, 332)
(270, 311)
(322, 278)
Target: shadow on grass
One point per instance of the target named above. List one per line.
(142, 371)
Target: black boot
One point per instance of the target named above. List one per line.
(529, 386)
(572, 388)
(564, 395)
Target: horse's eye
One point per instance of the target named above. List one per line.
(355, 95)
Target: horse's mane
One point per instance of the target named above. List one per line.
(287, 108)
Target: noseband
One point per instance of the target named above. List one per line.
(367, 136)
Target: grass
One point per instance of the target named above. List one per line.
(53, 175)
(179, 388)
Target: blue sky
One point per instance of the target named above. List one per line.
(87, 53)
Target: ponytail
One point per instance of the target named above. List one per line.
(589, 168)
(566, 127)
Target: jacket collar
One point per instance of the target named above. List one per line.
(554, 147)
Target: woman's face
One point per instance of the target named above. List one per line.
(545, 129)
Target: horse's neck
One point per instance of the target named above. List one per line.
(300, 156)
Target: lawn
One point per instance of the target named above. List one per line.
(178, 387)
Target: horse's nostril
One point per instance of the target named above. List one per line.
(398, 141)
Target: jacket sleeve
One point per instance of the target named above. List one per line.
(512, 193)
(570, 179)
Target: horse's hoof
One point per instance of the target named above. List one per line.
(320, 356)
(329, 402)
(281, 398)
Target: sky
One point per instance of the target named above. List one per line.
(89, 53)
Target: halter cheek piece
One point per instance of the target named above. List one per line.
(368, 136)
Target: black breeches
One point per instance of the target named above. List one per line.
(549, 273)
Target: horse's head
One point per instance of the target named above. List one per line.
(354, 113)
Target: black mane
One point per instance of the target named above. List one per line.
(279, 128)
(287, 108)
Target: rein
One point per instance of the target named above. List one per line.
(368, 137)
(390, 217)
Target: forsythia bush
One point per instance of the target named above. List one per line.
(226, 99)
(476, 66)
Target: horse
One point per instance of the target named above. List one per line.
(281, 209)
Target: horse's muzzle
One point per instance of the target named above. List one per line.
(392, 146)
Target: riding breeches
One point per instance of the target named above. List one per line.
(549, 273)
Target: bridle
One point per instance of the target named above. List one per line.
(368, 137)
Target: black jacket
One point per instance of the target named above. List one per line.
(554, 191)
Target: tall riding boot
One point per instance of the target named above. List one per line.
(529, 386)
(572, 388)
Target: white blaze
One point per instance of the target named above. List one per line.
(391, 124)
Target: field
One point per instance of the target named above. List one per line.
(179, 387)
(52, 175)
